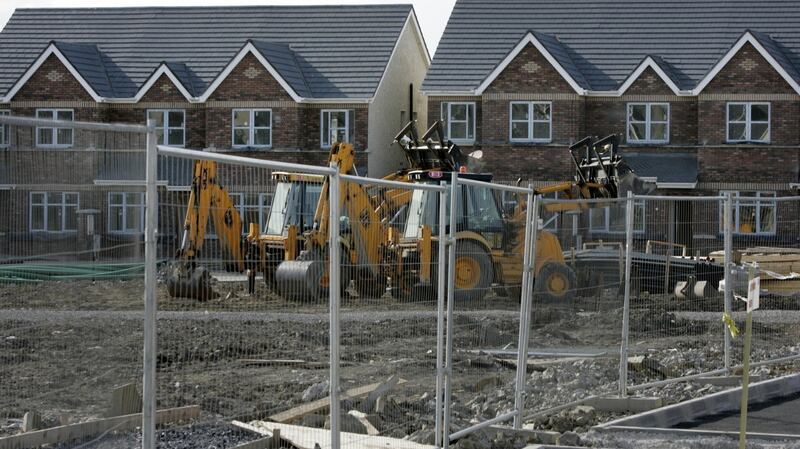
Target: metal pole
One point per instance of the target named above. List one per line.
(451, 281)
(728, 227)
(626, 310)
(748, 332)
(440, 295)
(528, 266)
(334, 276)
(151, 224)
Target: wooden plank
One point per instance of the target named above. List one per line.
(295, 413)
(86, 429)
(373, 396)
(125, 400)
(309, 438)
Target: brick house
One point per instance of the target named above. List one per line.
(706, 97)
(275, 82)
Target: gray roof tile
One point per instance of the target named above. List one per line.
(670, 168)
(607, 39)
(326, 51)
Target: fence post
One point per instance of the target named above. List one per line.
(149, 355)
(451, 281)
(334, 293)
(728, 227)
(528, 266)
(441, 291)
(626, 310)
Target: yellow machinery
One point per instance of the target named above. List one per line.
(489, 240)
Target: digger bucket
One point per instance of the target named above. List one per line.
(302, 279)
(184, 281)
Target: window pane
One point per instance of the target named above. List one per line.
(338, 119)
(160, 135)
(262, 137)
(71, 218)
(747, 219)
(519, 111)
(637, 112)
(263, 119)
(47, 115)
(64, 136)
(115, 218)
(326, 129)
(737, 113)
(636, 131)
(767, 216)
(53, 197)
(759, 113)
(175, 137)
(133, 199)
(541, 130)
(759, 131)
(737, 131)
(658, 113)
(541, 111)
(176, 119)
(458, 130)
(37, 218)
(638, 216)
(71, 198)
(241, 119)
(458, 112)
(597, 218)
(519, 130)
(158, 116)
(115, 198)
(658, 131)
(64, 115)
(37, 198)
(54, 218)
(341, 135)
(133, 218)
(45, 136)
(241, 137)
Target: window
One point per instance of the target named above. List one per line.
(170, 126)
(648, 122)
(531, 121)
(54, 211)
(49, 137)
(748, 122)
(264, 204)
(611, 219)
(252, 128)
(4, 131)
(459, 122)
(753, 213)
(336, 126)
(126, 212)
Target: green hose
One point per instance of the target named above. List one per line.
(34, 272)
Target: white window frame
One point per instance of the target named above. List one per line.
(325, 141)
(125, 206)
(251, 128)
(166, 128)
(749, 201)
(748, 122)
(54, 131)
(4, 130)
(447, 114)
(531, 121)
(648, 122)
(44, 204)
(606, 211)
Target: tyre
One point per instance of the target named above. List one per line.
(473, 271)
(555, 282)
(369, 286)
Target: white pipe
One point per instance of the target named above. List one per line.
(246, 161)
(626, 311)
(451, 283)
(334, 277)
(441, 291)
(150, 348)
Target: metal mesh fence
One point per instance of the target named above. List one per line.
(577, 309)
(71, 274)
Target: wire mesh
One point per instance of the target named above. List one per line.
(71, 274)
(576, 321)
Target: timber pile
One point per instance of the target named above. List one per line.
(783, 261)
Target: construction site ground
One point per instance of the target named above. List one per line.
(67, 344)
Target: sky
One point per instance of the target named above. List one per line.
(432, 14)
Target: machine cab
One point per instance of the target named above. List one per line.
(294, 203)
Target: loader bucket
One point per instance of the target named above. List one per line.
(301, 279)
(185, 281)
(629, 181)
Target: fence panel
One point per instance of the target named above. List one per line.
(676, 306)
(255, 345)
(767, 233)
(71, 273)
(576, 321)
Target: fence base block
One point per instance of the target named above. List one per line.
(617, 404)
(726, 381)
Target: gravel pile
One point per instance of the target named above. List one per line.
(208, 436)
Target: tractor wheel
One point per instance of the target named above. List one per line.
(474, 271)
(555, 282)
(370, 287)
